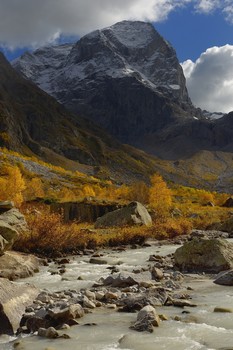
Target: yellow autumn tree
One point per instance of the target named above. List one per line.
(139, 192)
(34, 189)
(160, 197)
(12, 184)
(88, 191)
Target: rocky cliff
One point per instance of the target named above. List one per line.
(126, 78)
(34, 123)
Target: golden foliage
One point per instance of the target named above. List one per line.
(34, 189)
(139, 192)
(12, 184)
(160, 196)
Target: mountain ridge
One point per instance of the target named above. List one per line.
(108, 66)
(34, 123)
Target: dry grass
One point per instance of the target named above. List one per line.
(48, 235)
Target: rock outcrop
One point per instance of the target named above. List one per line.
(33, 122)
(126, 78)
(208, 255)
(133, 214)
(14, 265)
(13, 300)
(85, 211)
(12, 222)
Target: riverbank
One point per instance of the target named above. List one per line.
(104, 327)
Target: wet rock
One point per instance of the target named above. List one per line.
(111, 295)
(98, 261)
(132, 303)
(88, 303)
(63, 261)
(223, 309)
(62, 315)
(182, 303)
(121, 280)
(225, 278)
(99, 295)
(156, 274)
(209, 255)
(90, 295)
(48, 333)
(147, 319)
(34, 323)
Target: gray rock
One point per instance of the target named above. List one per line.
(14, 265)
(208, 255)
(14, 298)
(12, 222)
(133, 214)
(35, 322)
(223, 309)
(98, 261)
(225, 279)
(63, 314)
(122, 280)
(48, 333)
(156, 273)
(147, 319)
(6, 205)
(88, 303)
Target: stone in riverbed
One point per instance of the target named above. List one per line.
(225, 279)
(14, 265)
(156, 274)
(223, 309)
(14, 299)
(120, 280)
(98, 261)
(208, 255)
(70, 312)
(147, 319)
(48, 333)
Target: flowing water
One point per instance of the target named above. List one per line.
(205, 330)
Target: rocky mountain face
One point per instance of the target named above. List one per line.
(34, 123)
(126, 78)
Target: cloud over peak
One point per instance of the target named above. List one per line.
(34, 23)
(210, 80)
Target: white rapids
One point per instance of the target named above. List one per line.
(206, 330)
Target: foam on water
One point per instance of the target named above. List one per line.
(212, 330)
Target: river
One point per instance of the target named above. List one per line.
(204, 329)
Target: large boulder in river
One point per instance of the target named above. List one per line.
(14, 298)
(12, 222)
(208, 255)
(14, 265)
(133, 214)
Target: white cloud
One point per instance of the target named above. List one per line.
(207, 6)
(33, 22)
(209, 79)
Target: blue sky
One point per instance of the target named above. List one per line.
(191, 32)
(201, 31)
